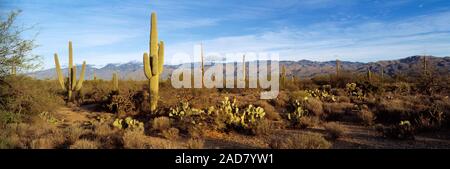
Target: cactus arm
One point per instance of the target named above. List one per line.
(147, 67)
(161, 57)
(59, 72)
(80, 81)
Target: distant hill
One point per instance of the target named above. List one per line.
(410, 66)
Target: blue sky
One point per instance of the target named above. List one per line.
(117, 31)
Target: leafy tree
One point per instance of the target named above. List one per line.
(15, 51)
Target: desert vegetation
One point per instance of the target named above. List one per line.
(341, 110)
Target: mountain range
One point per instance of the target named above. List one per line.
(409, 66)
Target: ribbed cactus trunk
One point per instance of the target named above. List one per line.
(244, 78)
(283, 76)
(369, 75)
(338, 66)
(425, 67)
(203, 65)
(382, 74)
(153, 64)
(94, 77)
(115, 82)
(71, 84)
(13, 69)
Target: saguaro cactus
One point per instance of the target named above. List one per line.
(71, 84)
(369, 75)
(382, 74)
(243, 69)
(153, 64)
(94, 77)
(13, 69)
(203, 66)
(425, 66)
(115, 82)
(283, 76)
(338, 67)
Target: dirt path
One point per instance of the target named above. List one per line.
(75, 116)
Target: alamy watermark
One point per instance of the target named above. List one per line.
(227, 71)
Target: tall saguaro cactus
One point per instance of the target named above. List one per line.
(369, 75)
(243, 69)
(283, 76)
(153, 64)
(203, 65)
(71, 84)
(13, 69)
(115, 82)
(338, 67)
(425, 66)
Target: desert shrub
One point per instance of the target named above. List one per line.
(7, 117)
(142, 101)
(84, 144)
(307, 121)
(74, 133)
(103, 130)
(343, 99)
(282, 100)
(366, 117)
(171, 133)
(300, 141)
(96, 91)
(404, 131)
(334, 130)
(135, 140)
(336, 111)
(299, 95)
(161, 123)
(392, 111)
(271, 113)
(315, 106)
(195, 144)
(263, 128)
(122, 103)
(24, 95)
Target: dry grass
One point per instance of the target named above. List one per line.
(300, 141)
(334, 130)
(161, 123)
(84, 144)
(171, 133)
(366, 117)
(138, 140)
(271, 113)
(335, 111)
(195, 143)
(308, 122)
(315, 106)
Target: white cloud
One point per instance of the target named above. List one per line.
(368, 41)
